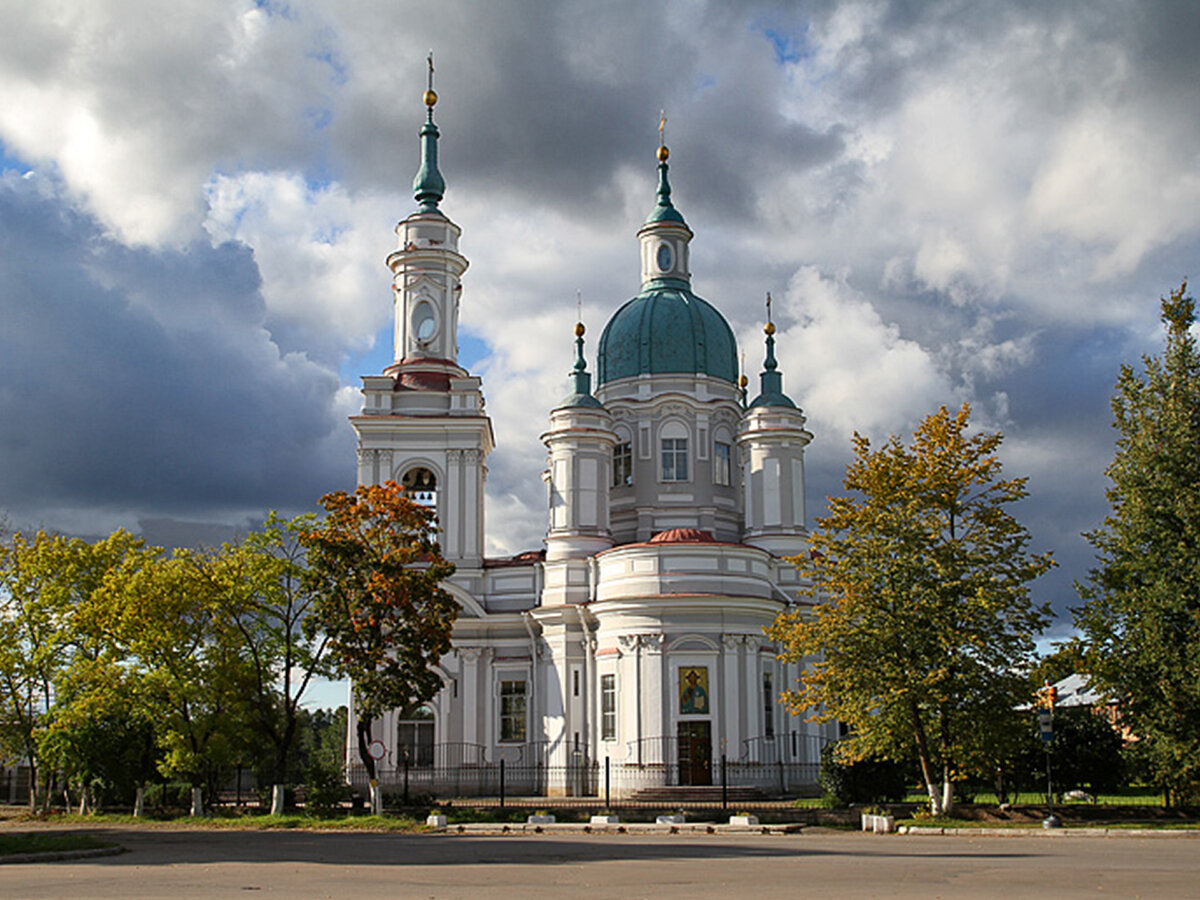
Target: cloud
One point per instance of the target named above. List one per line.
(139, 382)
(950, 201)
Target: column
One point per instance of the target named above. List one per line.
(470, 693)
(733, 724)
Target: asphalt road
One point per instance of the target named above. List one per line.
(206, 864)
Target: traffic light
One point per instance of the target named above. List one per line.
(1051, 695)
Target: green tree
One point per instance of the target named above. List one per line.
(166, 616)
(99, 735)
(923, 622)
(43, 584)
(263, 592)
(1140, 622)
(376, 571)
(1067, 658)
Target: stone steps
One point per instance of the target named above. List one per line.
(683, 794)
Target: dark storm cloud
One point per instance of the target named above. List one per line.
(139, 380)
(556, 100)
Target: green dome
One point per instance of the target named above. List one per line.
(666, 329)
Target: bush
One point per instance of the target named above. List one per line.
(325, 788)
(866, 781)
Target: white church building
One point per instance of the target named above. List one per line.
(632, 647)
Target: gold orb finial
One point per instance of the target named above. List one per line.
(430, 97)
(769, 328)
(663, 153)
(579, 329)
(743, 381)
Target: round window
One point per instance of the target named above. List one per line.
(664, 257)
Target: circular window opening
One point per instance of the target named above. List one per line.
(664, 257)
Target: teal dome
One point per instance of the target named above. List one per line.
(666, 329)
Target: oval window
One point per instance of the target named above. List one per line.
(664, 257)
(424, 323)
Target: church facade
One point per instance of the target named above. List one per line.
(634, 642)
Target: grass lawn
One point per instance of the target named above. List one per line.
(48, 843)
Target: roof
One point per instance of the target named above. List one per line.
(666, 329)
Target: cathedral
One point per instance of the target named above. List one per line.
(633, 644)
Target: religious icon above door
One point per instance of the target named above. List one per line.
(693, 690)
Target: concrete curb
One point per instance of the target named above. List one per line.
(919, 830)
(60, 855)
(624, 828)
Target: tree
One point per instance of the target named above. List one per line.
(43, 584)
(263, 593)
(376, 571)
(924, 623)
(1141, 618)
(99, 735)
(165, 616)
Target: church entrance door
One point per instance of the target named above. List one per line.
(695, 752)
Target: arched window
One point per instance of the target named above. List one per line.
(673, 447)
(622, 468)
(420, 486)
(722, 459)
(415, 736)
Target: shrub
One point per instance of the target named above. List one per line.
(865, 781)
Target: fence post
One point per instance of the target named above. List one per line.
(502, 783)
(406, 779)
(608, 782)
(724, 784)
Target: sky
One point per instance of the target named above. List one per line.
(949, 201)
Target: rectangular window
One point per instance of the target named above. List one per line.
(608, 707)
(722, 463)
(768, 706)
(623, 464)
(512, 710)
(674, 459)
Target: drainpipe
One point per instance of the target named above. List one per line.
(589, 678)
(527, 618)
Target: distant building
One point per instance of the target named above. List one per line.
(636, 636)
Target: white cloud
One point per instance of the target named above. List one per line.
(320, 250)
(848, 368)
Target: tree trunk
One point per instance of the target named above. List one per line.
(947, 793)
(139, 802)
(922, 741)
(83, 801)
(277, 797)
(197, 802)
(363, 731)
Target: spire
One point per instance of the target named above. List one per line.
(429, 186)
(581, 378)
(663, 211)
(771, 381)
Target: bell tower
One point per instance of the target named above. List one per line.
(423, 423)
(426, 267)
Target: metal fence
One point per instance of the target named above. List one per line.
(581, 777)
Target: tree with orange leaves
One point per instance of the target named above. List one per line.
(376, 571)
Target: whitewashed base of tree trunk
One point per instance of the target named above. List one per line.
(277, 795)
(197, 802)
(139, 802)
(376, 799)
(83, 802)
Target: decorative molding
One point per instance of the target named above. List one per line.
(652, 642)
(731, 641)
(474, 654)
